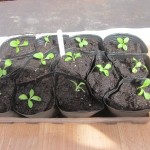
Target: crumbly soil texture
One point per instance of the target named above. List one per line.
(99, 83)
(43, 88)
(126, 98)
(7, 51)
(94, 44)
(79, 68)
(6, 94)
(71, 100)
(111, 46)
(125, 66)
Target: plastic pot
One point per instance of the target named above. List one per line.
(110, 44)
(123, 57)
(75, 113)
(71, 43)
(6, 51)
(124, 113)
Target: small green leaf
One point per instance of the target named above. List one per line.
(23, 97)
(38, 55)
(8, 63)
(134, 70)
(43, 62)
(145, 68)
(138, 64)
(125, 47)
(120, 45)
(14, 43)
(50, 56)
(81, 45)
(1, 72)
(147, 95)
(99, 66)
(126, 40)
(84, 42)
(145, 83)
(68, 59)
(141, 92)
(108, 66)
(78, 39)
(30, 104)
(4, 72)
(77, 55)
(106, 73)
(134, 59)
(46, 38)
(25, 43)
(17, 50)
(69, 54)
(120, 40)
(18, 42)
(36, 98)
(31, 93)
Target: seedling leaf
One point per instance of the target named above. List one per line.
(141, 92)
(147, 95)
(78, 39)
(25, 43)
(126, 40)
(50, 56)
(30, 104)
(8, 63)
(125, 47)
(108, 66)
(31, 93)
(4, 72)
(36, 98)
(43, 62)
(69, 54)
(38, 55)
(23, 97)
(68, 59)
(81, 45)
(120, 40)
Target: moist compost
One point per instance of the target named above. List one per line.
(125, 66)
(70, 100)
(79, 68)
(7, 51)
(94, 44)
(6, 94)
(99, 83)
(43, 88)
(111, 46)
(127, 99)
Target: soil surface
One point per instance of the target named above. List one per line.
(94, 44)
(127, 99)
(43, 88)
(111, 45)
(79, 68)
(99, 83)
(41, 46)
(70, 100)
(125, 66)
(6, 94)
(7, 51)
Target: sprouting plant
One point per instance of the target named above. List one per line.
(3, 71)
(16, 44)
(122, 43)
(105, 69)
(47, 39)
(43, 59)
(72, 56)
(30, 97)
(78, 86)
(145, 84)
(138, 64)
(82, 42)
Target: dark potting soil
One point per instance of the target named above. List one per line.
(42, 46)
(7, 51)
(99, 83)
(70, 100)
(94, 44)
(33, 70)
(6, 94)
(111, 45)
(127, 99)
(79, 68)
(125, 66)
(17, 65)
(43, 88)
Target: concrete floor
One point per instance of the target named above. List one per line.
(36, 16)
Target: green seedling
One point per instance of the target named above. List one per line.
(3, 71)
(72, 56)
(122, 43)
(78, 86)
(16, 44)
(145, 84)
(43, 59)
(105, 69)
(138, 64)
(30, 98)
(47, 39)
(82, 42)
